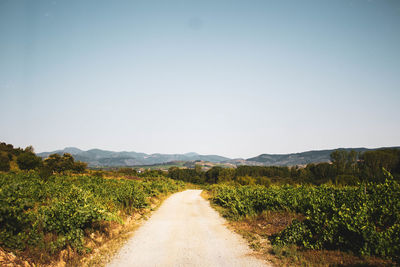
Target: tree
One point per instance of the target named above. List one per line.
(6, 147)
(67, 162)
(246, 180)
(346, 179)
(372, 163)
(4, 163)
(351, 164)
(57, 163)
(339, 160)
(53, 163)
(322, 171)
(213, 174)
(226, 175)
(28, 161)
(29, 149)
(197, 168)
(80, 167)
(45, 172)
(10, 149)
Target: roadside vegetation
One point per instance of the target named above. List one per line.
(53, 208)
(363, 219)
(343, 213)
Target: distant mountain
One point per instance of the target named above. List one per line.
(302, 158)
(105, 158)
(72, 150)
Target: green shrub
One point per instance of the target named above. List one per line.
(246, 180)
(65, 206)
(4, 163)
(364, 219)
(28, 161)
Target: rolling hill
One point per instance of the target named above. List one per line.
(302, 158)
(105, 158)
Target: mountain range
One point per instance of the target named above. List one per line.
(105, 158)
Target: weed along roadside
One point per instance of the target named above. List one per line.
(72, 220)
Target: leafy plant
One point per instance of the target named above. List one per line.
(54, 213)
(364, 219)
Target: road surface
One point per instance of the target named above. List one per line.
(185, 231)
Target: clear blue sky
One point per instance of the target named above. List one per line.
(234, 78)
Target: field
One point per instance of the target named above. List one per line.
(363, 220)
(40, 218)
(67, 217)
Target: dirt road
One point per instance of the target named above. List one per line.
(185, 231)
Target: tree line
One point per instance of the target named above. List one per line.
(345, 168)
(26, 159)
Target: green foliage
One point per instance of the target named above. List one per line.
(346, 179)
(246, 180)
(260, 171)
(98, 173)
(61, 164)
(128, 171)
(8, 148)
(65, 207)
(4, 162)
(151, 173)
(187, 175)
(28, 161)
(213, 174)
(364, 219)
(372, 163)
(263, 181)
(79, 167)
(342, 159)
(45, 172)
(347, 168)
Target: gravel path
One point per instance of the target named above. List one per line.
(185, 231)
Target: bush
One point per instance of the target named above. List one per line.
(28, 161)
(364, 219)
(264, 181)
(63, 164)
(246, 180)
(67, 207)
(4, 163)
(45, 172)
(346, 179)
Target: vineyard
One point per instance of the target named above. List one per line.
(363, 219)
(50, 215)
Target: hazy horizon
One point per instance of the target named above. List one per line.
(216, 154)
(231, 78)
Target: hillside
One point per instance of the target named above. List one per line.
(302, 158)
(102, 158)
(105, 158)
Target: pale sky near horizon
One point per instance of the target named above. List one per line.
(233, 78)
